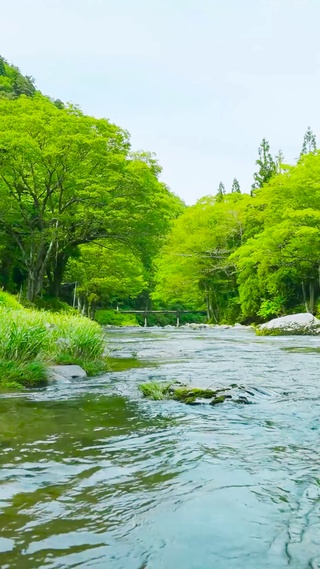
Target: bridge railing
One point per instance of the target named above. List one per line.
(176, 312)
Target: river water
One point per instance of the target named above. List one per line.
(94, 476)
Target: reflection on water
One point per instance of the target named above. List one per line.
(94, 476)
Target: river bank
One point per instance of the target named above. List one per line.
(31, 341)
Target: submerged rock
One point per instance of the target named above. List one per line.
(191, 395)
(295, 324)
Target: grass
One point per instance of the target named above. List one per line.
(15, 374)
(91, 367)
(155, 391)
(31, 339)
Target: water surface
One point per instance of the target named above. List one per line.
(93, 476)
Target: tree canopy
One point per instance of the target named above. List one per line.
(68, 179)
(84, 212)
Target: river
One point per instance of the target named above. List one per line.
(94, 476)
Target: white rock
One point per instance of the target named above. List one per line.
(66, 372)
(303, 323)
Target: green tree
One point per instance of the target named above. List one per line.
(105, 272)
(282, 258)
(267, 166)
(194, 266)
(309, 142)
(13, 83)
(235, 188)
(221, 191)
(279, 162)
(2, 66)
(68, 179)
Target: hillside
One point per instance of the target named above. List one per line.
(13, 83)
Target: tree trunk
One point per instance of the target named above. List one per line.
(304, 297)
(55, 275)
(311, 303)
(31, 286)
(35, 280)
(93, 310)
(208, 306)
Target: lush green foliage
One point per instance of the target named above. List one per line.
(81, 205)
(88, 220)
(30, 339)
(194, 266)
(13, 83)
(249, 258)
(114, 318)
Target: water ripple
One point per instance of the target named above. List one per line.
(93, 476)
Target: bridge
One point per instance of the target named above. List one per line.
(176, 312)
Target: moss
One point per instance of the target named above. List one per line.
(281, 332)
(216, 400)
(187, 395)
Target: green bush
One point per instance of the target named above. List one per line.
(271, 308)
(9, 301)
(115, 318)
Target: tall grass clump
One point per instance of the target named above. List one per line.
(78, 340)
(24, 341)
(32, 339)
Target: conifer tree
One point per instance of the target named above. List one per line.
(309, 142)
(235, 188)
(267, 166)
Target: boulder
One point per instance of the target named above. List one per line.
(293, 324)
(64, 373)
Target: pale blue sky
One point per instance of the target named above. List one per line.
(199, 82)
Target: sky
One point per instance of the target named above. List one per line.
(198, 82)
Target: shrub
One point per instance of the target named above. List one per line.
(115, 318)
(9, 301)
(271, 308)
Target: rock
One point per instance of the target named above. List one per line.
(192, 395)
(295, 324)
(64, 373)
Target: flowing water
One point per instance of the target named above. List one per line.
(94, 476)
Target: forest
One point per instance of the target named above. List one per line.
(86, 220)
